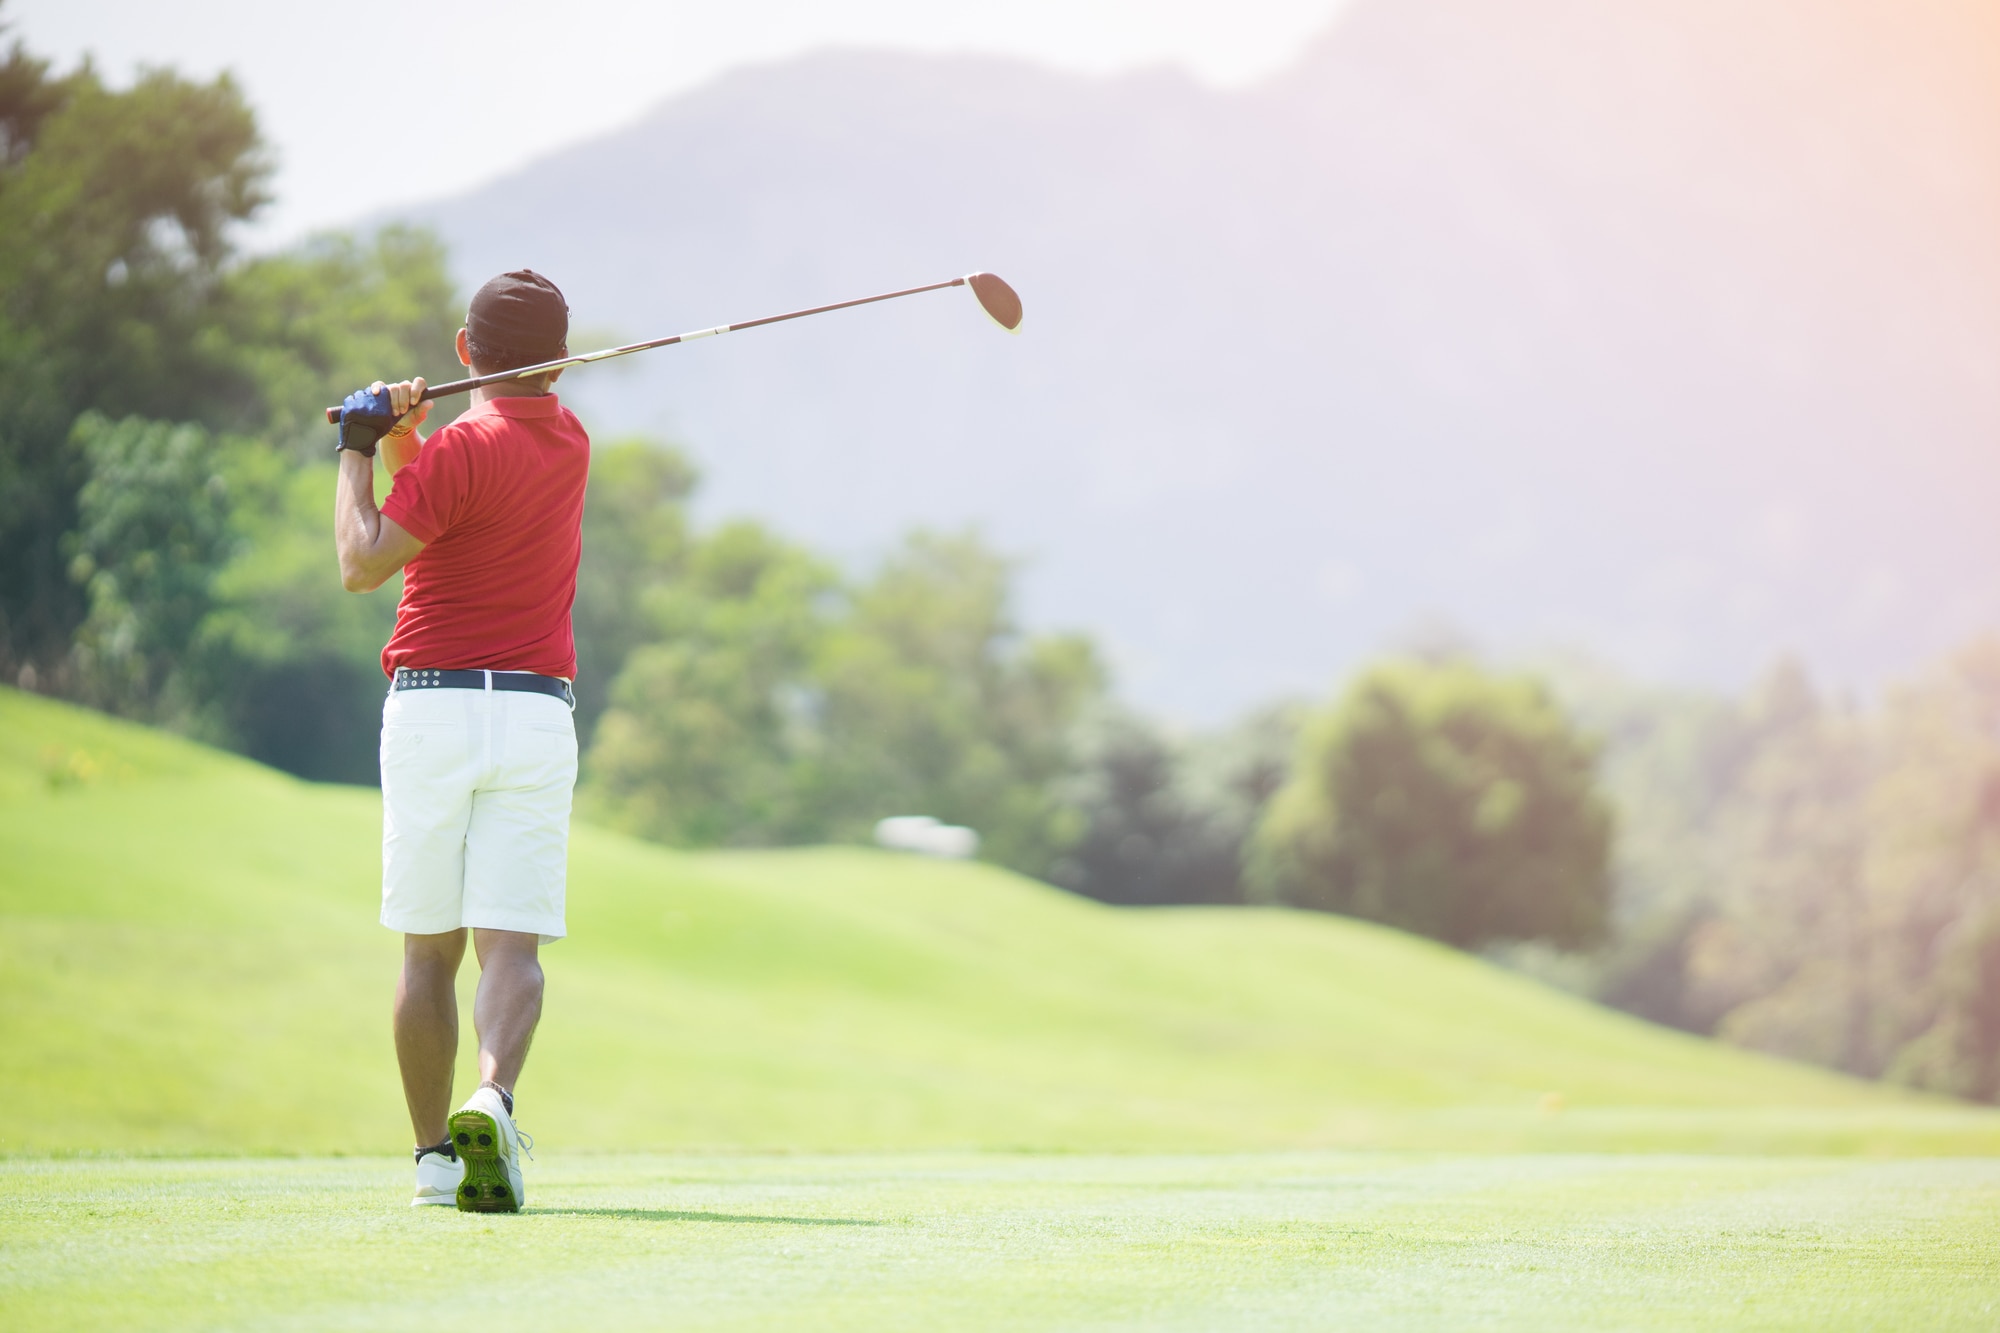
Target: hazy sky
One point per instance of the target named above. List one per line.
(448, 92)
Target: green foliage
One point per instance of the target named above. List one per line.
(290, 662)
(1785, 916)
(1444, 800)
(1811, 878)
(309, 325)
(635, 543)
(212, 604)
(1166, 820)
(27, 96)
(931, 702)
(1927, 956)
(153, 530)
(114, 213)
(115, 225)
(701, 747)
(119, 297)
(773, 704)
(1958, 1051)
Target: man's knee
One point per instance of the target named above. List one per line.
(506, 946)
(430, 953)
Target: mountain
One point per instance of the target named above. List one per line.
(1667, 329)
(189, 963)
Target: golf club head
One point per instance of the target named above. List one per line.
(997, 299)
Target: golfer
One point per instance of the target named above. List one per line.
(484, 518)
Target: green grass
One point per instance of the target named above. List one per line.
(1271, 1241)
(189, 964)
(810, 1045)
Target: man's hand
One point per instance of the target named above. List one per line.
(400, 445)
(405, 402)
(381, 411)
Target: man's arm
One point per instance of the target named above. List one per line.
(372, 547)
(399, 450)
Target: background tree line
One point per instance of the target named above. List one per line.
(1807, 875)
(1780, 871)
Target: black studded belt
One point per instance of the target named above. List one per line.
(419, 678)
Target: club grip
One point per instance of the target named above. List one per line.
(431, 393)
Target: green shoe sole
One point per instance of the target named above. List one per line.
(485, 1188)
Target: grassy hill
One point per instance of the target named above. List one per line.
(189, 962)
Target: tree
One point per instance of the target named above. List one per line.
(119, 295)
(249, 641)
(1166, 821)
(1779, 962)
(635, 544)
(1444, 800)
(309, 324)
(114, 214)
(288, 664)
(1928, 989)
(1958, 1051)
(706, 737)
(932, 702)
(153, 531)
(771, 703)
(1812, 878)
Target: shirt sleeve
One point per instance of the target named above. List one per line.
(429, 491)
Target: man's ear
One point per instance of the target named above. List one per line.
(464, 350)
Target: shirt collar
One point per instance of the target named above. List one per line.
(540, 405)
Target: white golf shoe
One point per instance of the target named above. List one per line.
(438, 1179)
(483, 1133)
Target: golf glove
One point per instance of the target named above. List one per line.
(365, 418)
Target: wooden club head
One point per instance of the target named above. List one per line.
(997, 299)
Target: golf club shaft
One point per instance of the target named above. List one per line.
(526, 372)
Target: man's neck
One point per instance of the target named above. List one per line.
(507, 389)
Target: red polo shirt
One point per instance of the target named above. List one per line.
(497, 499)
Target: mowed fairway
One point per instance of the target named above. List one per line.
(835, 1087)
(1303, 1241)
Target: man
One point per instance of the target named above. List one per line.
(478, 751)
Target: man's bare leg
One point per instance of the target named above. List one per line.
(509, 1003)
(427, 1028)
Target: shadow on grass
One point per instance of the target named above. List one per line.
(677, 1215)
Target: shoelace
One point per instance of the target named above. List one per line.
(526, 1140)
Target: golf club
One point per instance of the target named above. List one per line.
(996, 298)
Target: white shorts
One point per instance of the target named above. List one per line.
(476, 788)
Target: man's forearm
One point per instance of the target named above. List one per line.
(370, 547)
(357, 523)
(399, 451)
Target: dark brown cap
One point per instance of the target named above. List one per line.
(520, 311)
